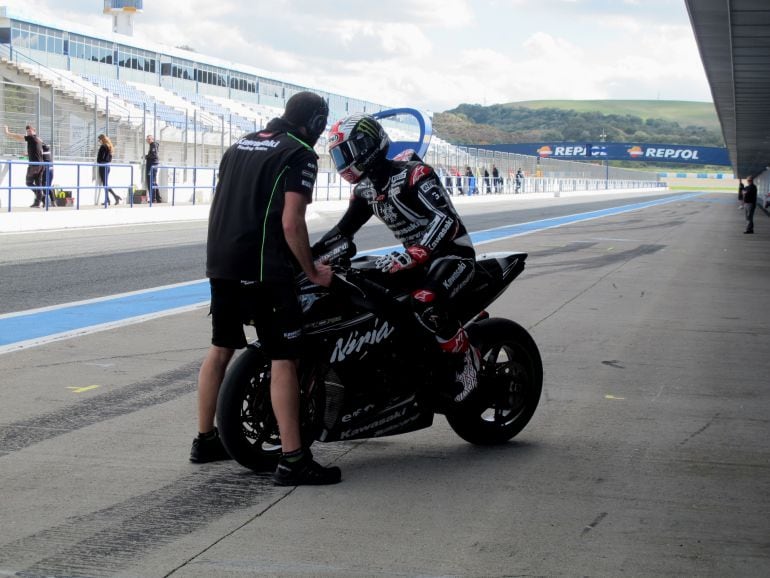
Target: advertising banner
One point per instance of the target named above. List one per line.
(610, 151)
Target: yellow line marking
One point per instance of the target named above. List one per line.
(613, 397)
(83, 388)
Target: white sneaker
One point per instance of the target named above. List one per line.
(468, 377)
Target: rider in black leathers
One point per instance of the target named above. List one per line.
(408, 196)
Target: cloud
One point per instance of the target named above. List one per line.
(434, 54)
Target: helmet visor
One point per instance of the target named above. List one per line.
(342, 156)
(353, 150)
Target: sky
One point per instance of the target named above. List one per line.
(433, 54)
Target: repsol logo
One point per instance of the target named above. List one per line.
(356, 341)
(570, 151)
(667, 153)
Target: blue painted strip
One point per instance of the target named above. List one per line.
(39, 324)
(523, 228)
(17, 328)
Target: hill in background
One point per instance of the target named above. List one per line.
(643, 121)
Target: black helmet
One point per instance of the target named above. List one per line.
(356, 144)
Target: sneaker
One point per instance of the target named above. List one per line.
(208, 449)
(467, 378)
(305, 472)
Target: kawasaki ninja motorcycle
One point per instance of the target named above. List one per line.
(372, 370)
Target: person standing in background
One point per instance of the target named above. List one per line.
(750, 204)
(103, 160)
(35, 173)
(152, 159)
(496, 182)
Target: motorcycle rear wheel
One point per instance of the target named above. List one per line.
(510, 384)
(245, 419)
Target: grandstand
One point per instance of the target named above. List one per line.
(74, 82)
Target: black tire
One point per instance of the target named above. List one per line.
(245, 418)
(510, 384)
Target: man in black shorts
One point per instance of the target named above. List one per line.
(257, 241)
(35, 172)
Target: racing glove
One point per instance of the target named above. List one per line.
(395, 261)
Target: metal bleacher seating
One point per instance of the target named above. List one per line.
(241, 122)
(142, 100)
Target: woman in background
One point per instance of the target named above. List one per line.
(103, 159)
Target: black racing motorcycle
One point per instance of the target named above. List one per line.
(372, 370)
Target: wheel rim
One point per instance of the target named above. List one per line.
(258, 424)
(504, 366)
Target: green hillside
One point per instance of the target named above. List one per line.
(684, 112)
(643, 121)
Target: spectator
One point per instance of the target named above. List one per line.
(257, 241)
(496, 181)
(472, 190)
(103, 160)
(487, 184)
(35, 173)
(740, 194)
(519, 179)
(152, 159)
(750, 203)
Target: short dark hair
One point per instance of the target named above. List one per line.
(309, 110)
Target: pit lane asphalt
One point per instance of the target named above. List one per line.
(647, 456)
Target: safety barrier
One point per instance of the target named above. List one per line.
(175, 181)
(72, 180)
(329, 187)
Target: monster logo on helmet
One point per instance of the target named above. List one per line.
(356, 144)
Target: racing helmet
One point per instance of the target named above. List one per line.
(356, 144)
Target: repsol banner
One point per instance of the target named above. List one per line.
(611, 151)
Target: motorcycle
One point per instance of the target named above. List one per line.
(371, 370)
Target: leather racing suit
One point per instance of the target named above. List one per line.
(408, 197)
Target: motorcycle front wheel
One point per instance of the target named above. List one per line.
(245, 417)
(510, 384)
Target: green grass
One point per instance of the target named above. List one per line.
(684, 112)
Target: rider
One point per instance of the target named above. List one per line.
(407, 195)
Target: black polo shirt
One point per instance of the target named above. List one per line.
(245, 235)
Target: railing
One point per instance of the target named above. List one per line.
(74, 172)
(329, 187)
(173, 181)
(199, 175)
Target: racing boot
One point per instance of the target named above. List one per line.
(468, 376)
(468, 361)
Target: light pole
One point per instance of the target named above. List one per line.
(603, 137)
